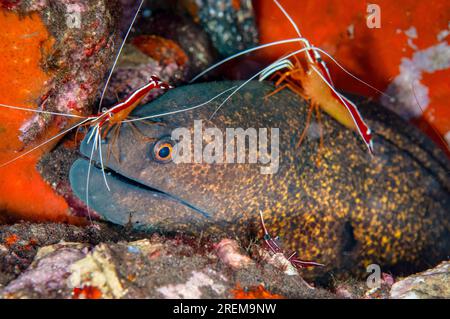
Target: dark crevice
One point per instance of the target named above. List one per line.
(348, 238)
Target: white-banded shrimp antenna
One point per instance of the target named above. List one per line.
(256, 75)
(316, 49)
(443, 141)
(284, 64)
(369, 146)
(182, 110)
(42, 112)
(270, 44)
(96, 128)
(91, 135)
(262, 222)
(259, 47)
(289, 18)
(327, 54)
(118, 56)
(101, 161)
(44, 143)
(306, 42)
(351, 74)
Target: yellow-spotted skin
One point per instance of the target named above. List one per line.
(346, 211)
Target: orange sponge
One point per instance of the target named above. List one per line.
(23, 192)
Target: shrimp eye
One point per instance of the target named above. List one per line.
(163, 150)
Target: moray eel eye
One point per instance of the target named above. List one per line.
(163, 150)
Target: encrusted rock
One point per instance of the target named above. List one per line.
(229, 253)
(151, 267)
(46, 276)
(97, 270)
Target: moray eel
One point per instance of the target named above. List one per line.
(336, 205)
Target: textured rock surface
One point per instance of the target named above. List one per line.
(101, 261)
(432, 283)
(413, 46)
(54, 57)
(141, 266)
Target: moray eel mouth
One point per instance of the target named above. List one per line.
(391, 209)
(129, 200)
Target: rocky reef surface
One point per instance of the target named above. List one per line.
(102, 261)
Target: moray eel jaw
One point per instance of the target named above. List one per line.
(350, 211)
(130, 201)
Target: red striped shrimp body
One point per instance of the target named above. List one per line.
(120, 111)
(311, 80)
(313, 83)
(276, 249)
(106, 120)
(23, 155)
(101, 124)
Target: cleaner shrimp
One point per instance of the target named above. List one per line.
(118, 113)
(106, 120)
(313, 83)
(103, 122)
(275, 248)
(109, 117)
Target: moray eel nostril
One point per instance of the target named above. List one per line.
(348, 211)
